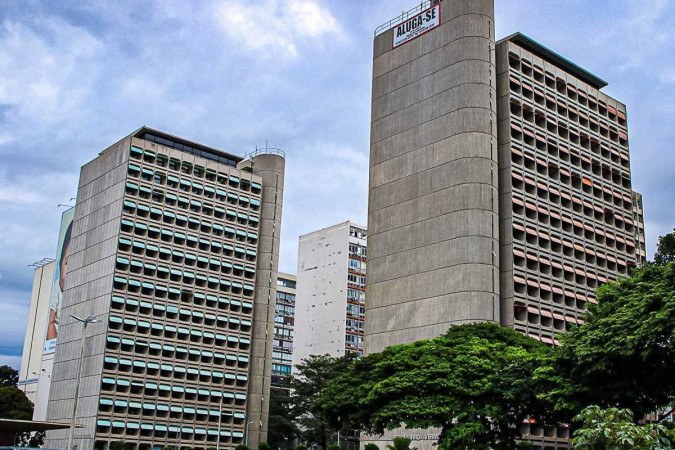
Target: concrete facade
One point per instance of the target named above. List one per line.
(500, 189)
(569, 220)
(36, 331)
(174, 251)
(330, 299)
(568, 214)
(270, 170)
(433, 162)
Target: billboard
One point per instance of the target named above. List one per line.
(59, 283)
(424, 21)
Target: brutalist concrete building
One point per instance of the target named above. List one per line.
(500, 186)
(569, 220)
(175, 252)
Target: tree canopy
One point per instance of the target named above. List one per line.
(623, 355)
(14, 404)
(665, 249)
(8, 376)
(479, 382)
(613, 428)
(282, 428)
(475, 382)
(308, 387)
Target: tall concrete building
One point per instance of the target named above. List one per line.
(330, 301)
(567, 211)
(52, 313)
(284, 323)
(500, 187)
(175, 252)
(433, 206)
(36, 330)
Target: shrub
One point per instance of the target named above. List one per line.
(400, 443)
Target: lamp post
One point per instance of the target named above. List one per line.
(246, 433)
(85, 322)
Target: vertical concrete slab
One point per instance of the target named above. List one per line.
(270, 167)
(433, 198)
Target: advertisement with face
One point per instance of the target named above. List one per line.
(60, 277)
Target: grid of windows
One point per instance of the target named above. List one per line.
(356, 295)
(284, 322)
(172, 142)
(571, 204)
(179, 329)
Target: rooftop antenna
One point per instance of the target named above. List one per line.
(41, 263)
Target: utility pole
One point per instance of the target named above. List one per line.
(85, 322)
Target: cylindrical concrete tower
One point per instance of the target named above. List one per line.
(433, 239)
(268, 164)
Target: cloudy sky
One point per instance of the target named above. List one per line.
(77, 76)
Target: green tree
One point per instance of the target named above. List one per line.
(475, 382)
(8, 376)
(307, 388)
(264, 446)
(613, 428)
(623, 355)
(400, 443)
(14, 404)
(665, 249)
(371, 446)
(241, 447)
(282, 427)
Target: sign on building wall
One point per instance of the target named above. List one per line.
(60, 277)
(410, 29)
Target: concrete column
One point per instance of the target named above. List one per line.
(433, 221)
(271, 168)
(433, 230)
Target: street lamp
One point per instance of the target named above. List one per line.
(246, 433)
(85, 322)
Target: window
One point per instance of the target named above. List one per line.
(357, 279)
(281, 369)
(357, 265)
(356, 295)
(283, 282)
(353, 339)
(357, 250)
